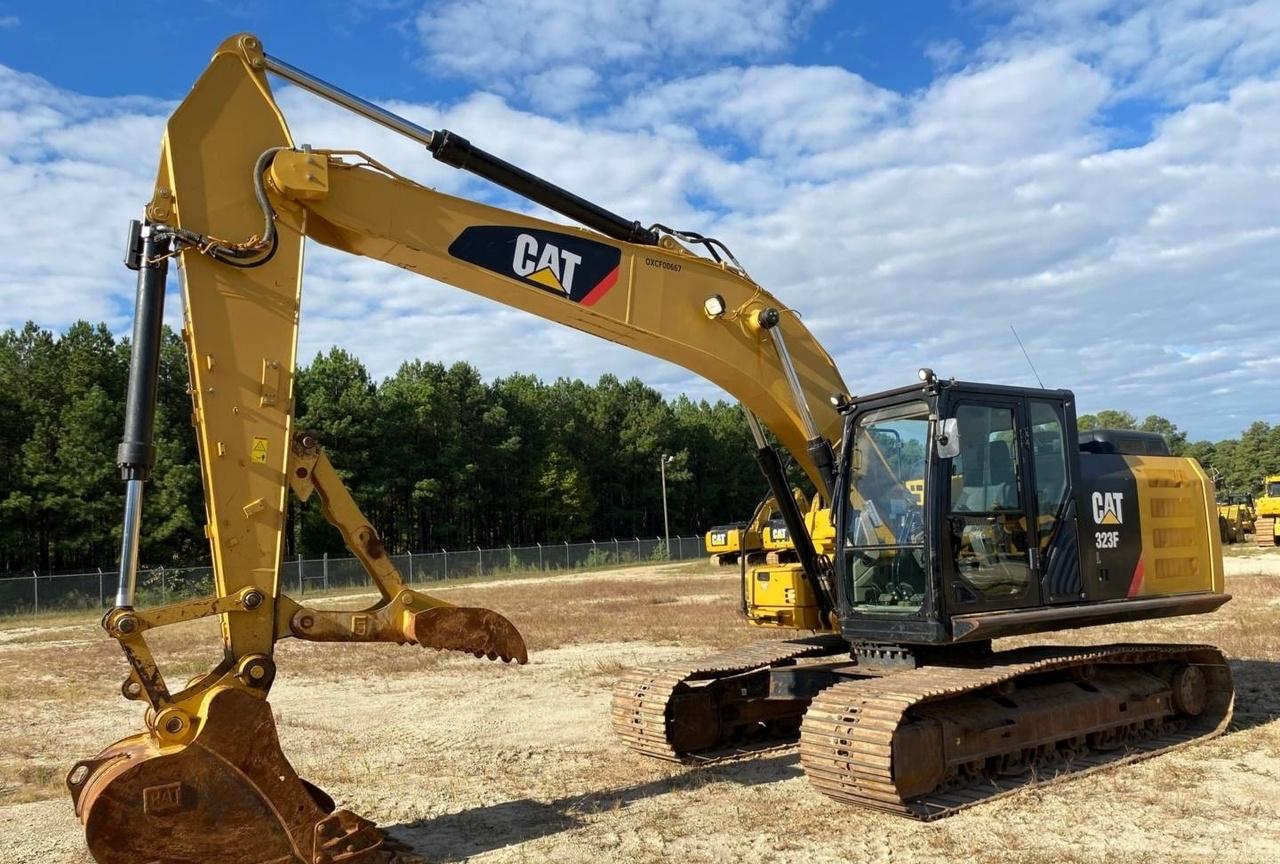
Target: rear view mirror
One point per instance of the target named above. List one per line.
(948, 439)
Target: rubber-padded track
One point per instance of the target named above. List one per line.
(641, 710)
(846, 740)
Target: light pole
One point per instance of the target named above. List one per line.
(666, 528)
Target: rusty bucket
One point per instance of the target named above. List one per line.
(228, 797)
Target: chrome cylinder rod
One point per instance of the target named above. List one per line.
(128, 584)
(350, 101)
(793, 381)
(753, 423)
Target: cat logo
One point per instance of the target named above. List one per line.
(1108, 508)
(552, 266)
(567, 265)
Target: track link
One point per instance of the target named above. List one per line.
(651, 714)
(892, 743)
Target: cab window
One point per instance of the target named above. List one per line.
(885, 513)
(987, 522)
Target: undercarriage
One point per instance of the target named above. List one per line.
(923, 742)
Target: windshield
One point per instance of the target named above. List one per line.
(884, 538)
(1273, 490)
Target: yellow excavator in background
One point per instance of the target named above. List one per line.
(761, 539)
(960, 512)
(729, 544)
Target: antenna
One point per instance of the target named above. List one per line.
(1028, 356)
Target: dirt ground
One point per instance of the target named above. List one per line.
(467, 759)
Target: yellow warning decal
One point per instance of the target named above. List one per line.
(259, 450)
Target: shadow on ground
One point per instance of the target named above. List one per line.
(1257, 693)
(458, 836)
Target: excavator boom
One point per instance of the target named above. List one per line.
(233, 201)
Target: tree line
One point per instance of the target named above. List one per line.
(436, 456)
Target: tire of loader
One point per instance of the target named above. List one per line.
(228, 797)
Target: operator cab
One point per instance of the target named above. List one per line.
(956, 515)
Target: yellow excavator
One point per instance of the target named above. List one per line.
(761, 539)
(961, 512)
(729, 544)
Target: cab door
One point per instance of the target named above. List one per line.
(1053, 456)
(989, 538)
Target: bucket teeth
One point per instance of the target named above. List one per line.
(481, 632)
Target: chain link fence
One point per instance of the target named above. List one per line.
(37, 594)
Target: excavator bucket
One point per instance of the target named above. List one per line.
(228, 797)
(477, 631)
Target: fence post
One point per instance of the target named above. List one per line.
(301, 589)
(617, 551)
(566, 555)
(164, 588)
(325, 571)
(411, 565)
(446, 561)
(480, 559)
(539, 555)
(637, 550)
(35, 594)
(100, 599)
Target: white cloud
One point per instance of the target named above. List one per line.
(557, 51)
(70, 179)
(909, 229)
(1172, 50)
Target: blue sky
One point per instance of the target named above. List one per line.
(80, 45)
(913, 177)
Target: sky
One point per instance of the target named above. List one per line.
(913, 178)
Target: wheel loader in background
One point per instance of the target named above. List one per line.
(1236, 516)
(960, 512)
(1266, 527)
